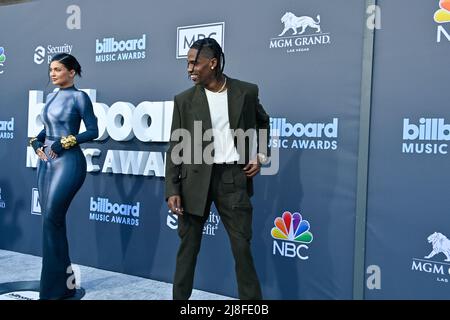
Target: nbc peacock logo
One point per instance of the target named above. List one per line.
(442, 15)
(2, 58)
(291, 234)
(2, 55)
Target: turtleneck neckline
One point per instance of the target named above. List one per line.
(68, 88)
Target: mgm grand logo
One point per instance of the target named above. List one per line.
(299, 34)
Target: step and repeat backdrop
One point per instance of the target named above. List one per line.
(306, 58)
(408, 222)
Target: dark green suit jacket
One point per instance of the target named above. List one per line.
(187, 174)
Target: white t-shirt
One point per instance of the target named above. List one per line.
(224, 149)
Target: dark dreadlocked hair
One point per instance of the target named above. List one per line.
(211, 49)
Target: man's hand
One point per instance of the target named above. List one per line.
(252, 168)
(174, 203)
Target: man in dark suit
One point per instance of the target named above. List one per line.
(213, 156)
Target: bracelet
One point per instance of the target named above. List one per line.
(31, 141)
(68, 142)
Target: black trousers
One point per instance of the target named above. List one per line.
(228, 191)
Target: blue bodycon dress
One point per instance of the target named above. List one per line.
(59, 180)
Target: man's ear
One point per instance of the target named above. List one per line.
(213, 63)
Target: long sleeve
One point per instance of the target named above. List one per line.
(262, 122)
(172, 181)
(90, 120)
(41, 136)
(39, 140)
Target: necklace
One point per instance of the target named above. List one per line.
(223, 86)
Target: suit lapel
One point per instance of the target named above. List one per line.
(200, 108)
(235, 103)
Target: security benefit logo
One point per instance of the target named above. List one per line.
(187, 35)
(45, 53)
(110, 49)
(318, 136)
(437, 262)
(299, 34)
(442, 16)
(210, 227)
(291, 235)
(104, 210)
(2, 59)
(428, 136)
(7, 129)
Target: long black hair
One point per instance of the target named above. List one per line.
(69, 61)
(211, 49)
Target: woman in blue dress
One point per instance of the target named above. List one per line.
(61, 170)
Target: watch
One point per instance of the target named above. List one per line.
(262, 158)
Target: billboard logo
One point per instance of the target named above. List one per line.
(109, 49)
(296, 40)
(442, 15)
(319, 136)
(134, 124)
(35, 205)
(430, 130)
(440, 270)
(187, 35)
(294, 234)
(2, 58)
(7, 129)
(105, 211)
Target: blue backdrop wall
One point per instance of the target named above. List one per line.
(133, 57)
(407, 216)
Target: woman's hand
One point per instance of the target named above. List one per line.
(52, 154)
(41, 154)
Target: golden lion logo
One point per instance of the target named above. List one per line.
(291, 21)
(440, 244)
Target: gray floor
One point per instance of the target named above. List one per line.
(99, 284)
